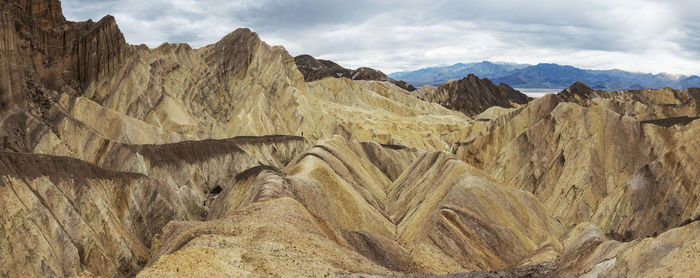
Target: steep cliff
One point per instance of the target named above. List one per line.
(40, 49)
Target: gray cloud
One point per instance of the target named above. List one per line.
(636, 35)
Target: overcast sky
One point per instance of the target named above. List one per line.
(633, 35)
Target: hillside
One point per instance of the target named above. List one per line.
(314, 69)
(547, 76)
(436, 76)
(121, 160)
(472, 95)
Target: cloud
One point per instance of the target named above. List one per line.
(636, 35)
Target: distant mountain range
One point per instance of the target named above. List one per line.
(546, 76)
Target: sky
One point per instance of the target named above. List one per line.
(633, 35)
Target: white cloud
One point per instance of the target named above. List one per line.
(634, 35)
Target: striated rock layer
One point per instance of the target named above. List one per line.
(439, 216)
(598, 159)
(235, 159)
(40, 49)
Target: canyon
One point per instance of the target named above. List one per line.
(237, 159)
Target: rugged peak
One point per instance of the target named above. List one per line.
(579, 92)
(108, 20)
(46, 12)
(579, 86)
(307, 60)
(97, 47)
(113, 162)
(472, 95)
(239, 37)
(472, 76)
(365, 73)
(405, 85)
(238, 34)
(315, 69)
(235, 50)
(41, 46)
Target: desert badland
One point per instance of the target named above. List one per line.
(235, 159)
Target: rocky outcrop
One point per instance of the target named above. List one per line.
(580, 93)
(138, 121)
(538, 148)
(94, 210)
(62, 216)
(472, 95)
(278, 237)
(123, 161)
(316, 69)
(405, 85)
(432, 218)
(40, 49)
(590, 252)
(243, 87)
(365, 73)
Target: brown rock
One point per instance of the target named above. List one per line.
(122, 160)
(40, 46)
(316, 69)
(472, 95)
(624, 170)
(74, 216)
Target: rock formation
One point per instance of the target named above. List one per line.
(431, 218)
(119, 161)
(316, 69)
(472, 95)
(40, 49)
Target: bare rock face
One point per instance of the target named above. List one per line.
(238, 159)
(316, 69)
(39, 45)
(538, 149)
(405, 85)
(589, 252)
(472, 95)
(432, 218)
(63, 216)
(580, 93)
(364, 73)
(121, 136)
(104, 221)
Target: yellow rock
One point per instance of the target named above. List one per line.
(121, 160)
(673, 253)
(440, 215)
